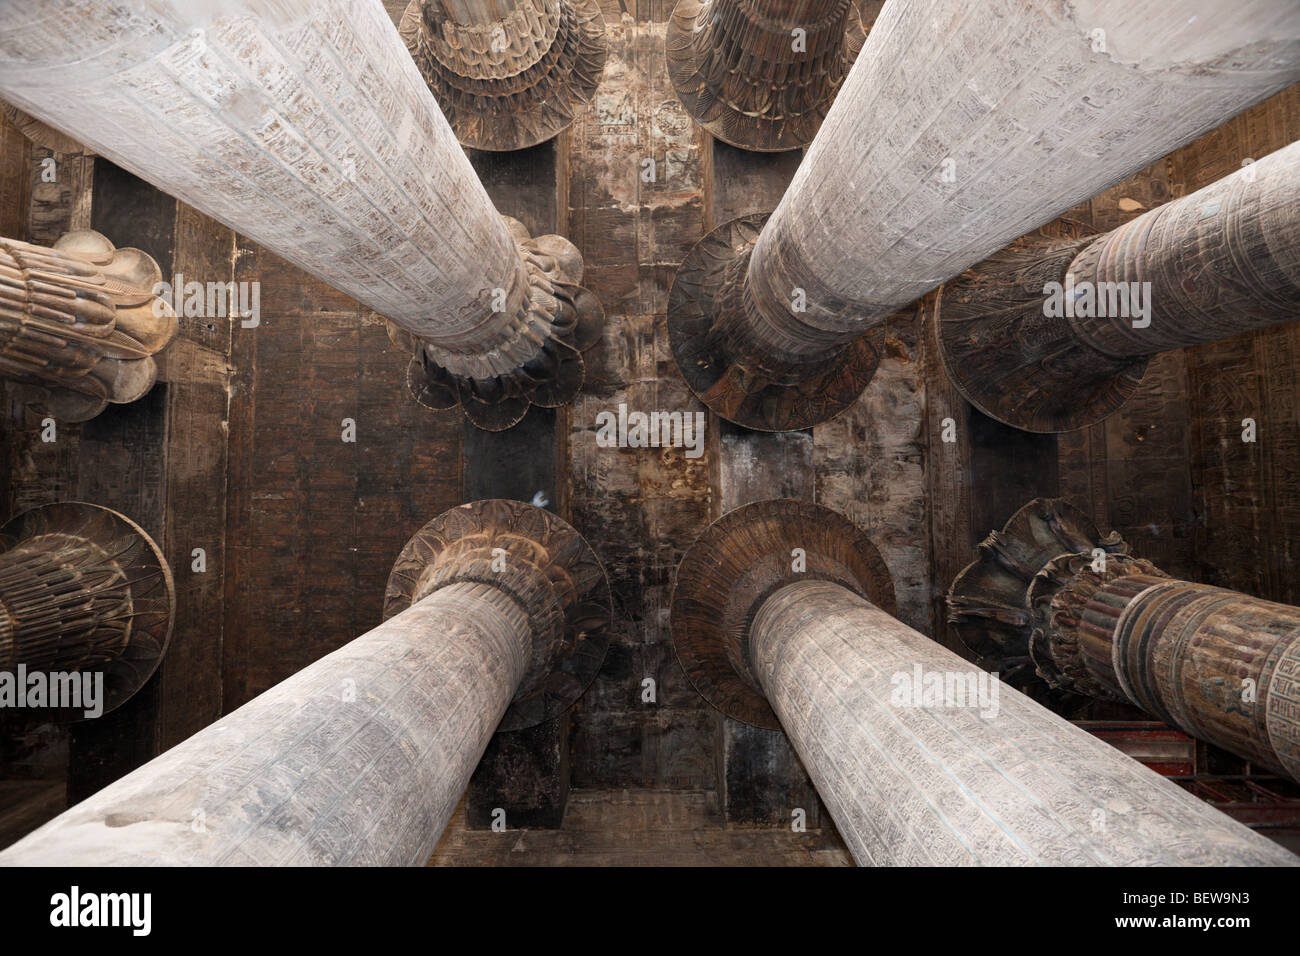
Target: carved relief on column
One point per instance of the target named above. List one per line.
(535, 359)
(1094, 620)
(545, 566)
(42, 134)
(736, 565)
(79, 323)
(1049, 334)
(762, 74)
(83, 589)
(1014, 363)
(512, 81)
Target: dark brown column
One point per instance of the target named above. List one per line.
(79, 323)
(85, 595)
(962, 125)
(762, 74)
(508, 74)
(1050, 335)
(1218, 664)
(496, 618)
(782, 616)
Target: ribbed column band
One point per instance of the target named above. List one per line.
(64, 605)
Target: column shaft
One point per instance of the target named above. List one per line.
(358, 759)
(300, 123)
(1083, 315)
(1221, 665)
(497, 615)
(1095, 620)
(1222, 261)
(1028, 108)
(989, 778)
(962, 125)
(304, 125)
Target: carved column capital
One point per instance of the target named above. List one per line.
(535, 358)
(759, 74)
(508, 79)
(80, 323)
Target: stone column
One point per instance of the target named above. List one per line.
(86, 610)
(1218, 664)
(1050, 335)
(782, 615)
(305, 125)
(762, 74)
(496, 618)
(508, 74)
(962, 125)
(79, 323)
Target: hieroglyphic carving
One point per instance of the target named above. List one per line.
(1208, 266)
(1100, 622)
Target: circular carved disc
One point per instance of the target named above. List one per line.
(1012, 362)
(526, 109)
(153, 593)
(834, 386)
(739, 561)
(770, 132)
(560, 673)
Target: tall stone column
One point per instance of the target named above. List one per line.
(86, 610)
(962, 125)
(497, 615)
(1093, 619)
(305, 125)
(79, 323)
(508, 74)
(762, 74)
(1049, 335)
(782, 616)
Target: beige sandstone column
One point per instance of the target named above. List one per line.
(962, 125)
(305, 125)
(496, 619)
(782, 616)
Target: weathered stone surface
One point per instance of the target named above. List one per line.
(910, 782)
